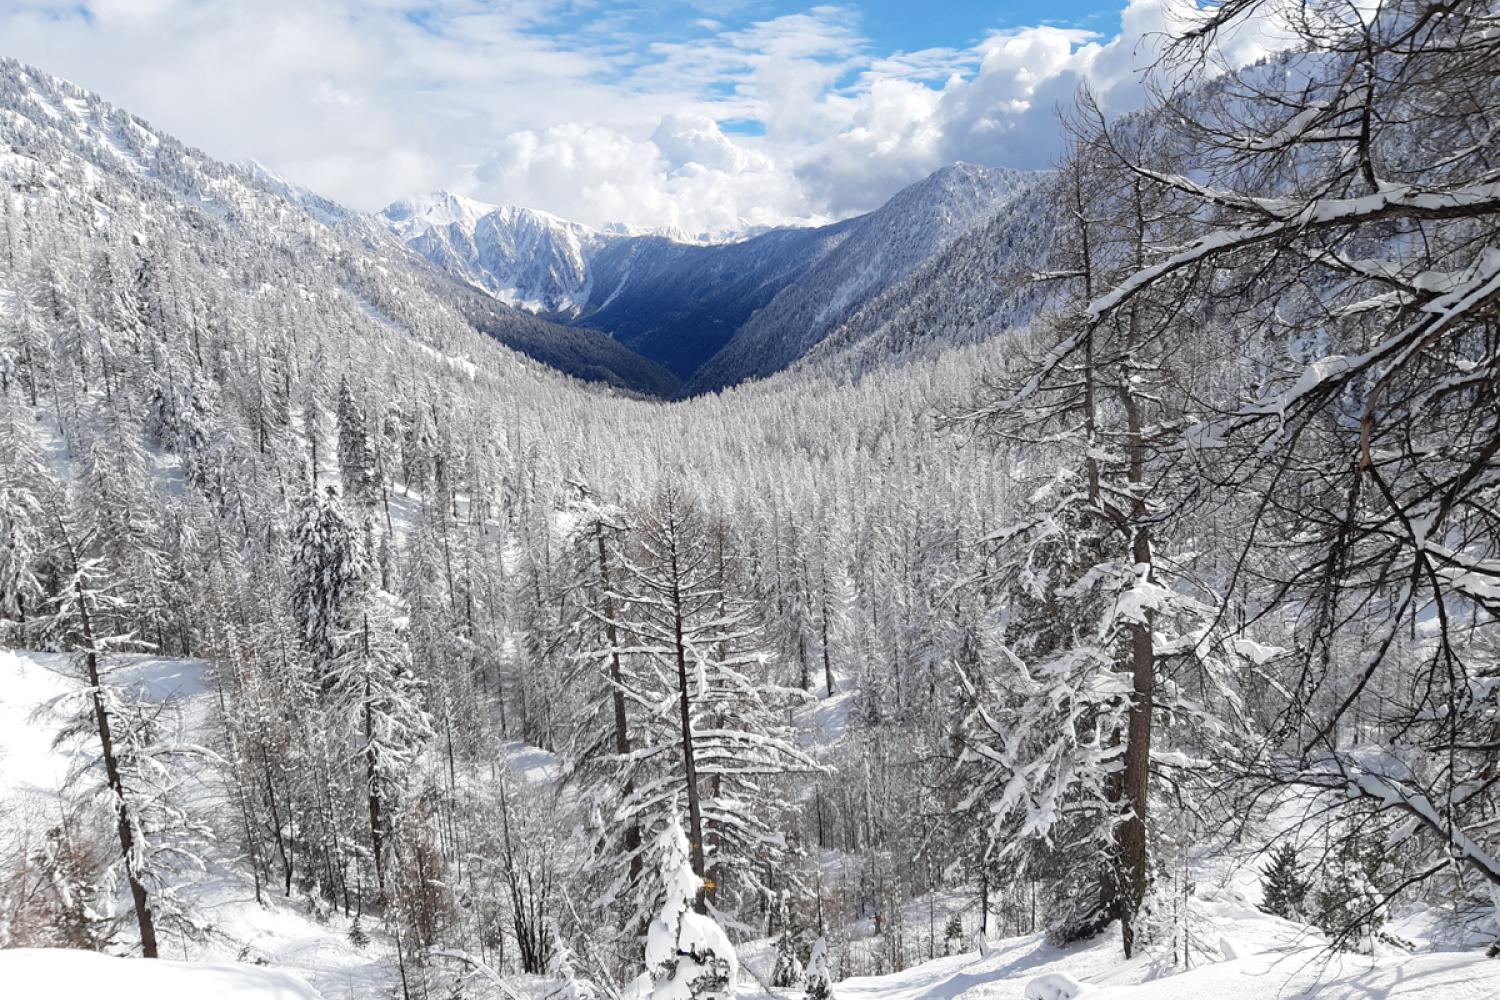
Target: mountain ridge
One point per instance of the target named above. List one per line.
(715, 314)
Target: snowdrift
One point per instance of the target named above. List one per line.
(51, 972)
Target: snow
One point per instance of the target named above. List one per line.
(1028, 968)
(51, 972)
(29, 766)
(1055, 986)
(1257, 653)
(533, 765)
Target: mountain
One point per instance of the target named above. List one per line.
(680, 304)
(711, 313)
(59, 137)
(976, 288)
(522, 257)
(879, 250)
(672, 298)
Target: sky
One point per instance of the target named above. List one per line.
(706, 115)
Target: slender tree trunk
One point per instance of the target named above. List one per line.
(372, 776)
(617, 695)
(1132, 836)
(143, 915)
(690, 767)
(1133, 860)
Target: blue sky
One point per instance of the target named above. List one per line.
(904, 25)
(700, 114)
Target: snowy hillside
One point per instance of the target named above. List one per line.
(976, 289)
(62, 138)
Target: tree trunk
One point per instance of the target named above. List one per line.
(372, 776)
(616, 676)
(143, 916)
(1133, 874)
(690, 767)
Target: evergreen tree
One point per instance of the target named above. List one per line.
(328, 570)
(788, 972)
(819, 985)
(709, 726)
(1282, 884)
(953, 936)
(1346, 899)
(355, 455)
(688, 956)
(372, 687)
(23, 482)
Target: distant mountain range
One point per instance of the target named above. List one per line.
(712, 313)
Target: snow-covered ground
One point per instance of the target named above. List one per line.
(1274, 967)
(279, 949)
(52, 972)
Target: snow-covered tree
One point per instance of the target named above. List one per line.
(1342, 229)
(371, 685)
(357, 470)
(329, 568)
(562, 967)
(1102, 624)
(788, 972)
(23, 482)
(819, 984)
(709, 729)
(688, 956)
(1284, 885)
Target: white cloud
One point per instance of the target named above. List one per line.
(525, 103)
(688, 175)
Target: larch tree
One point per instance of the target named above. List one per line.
(1096, 607)
(708, 728)
(1342, 226)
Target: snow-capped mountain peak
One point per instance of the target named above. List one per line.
(522, 256)
(438, 208)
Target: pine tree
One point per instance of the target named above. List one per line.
(23, 481)
(953, 936)
(688, 956)
(372, 687)
(1346, 899)
(356, 459)
(328, 567)
(819, 986)
(1282, 884)
(1098, 614)
(788, 972)
(709, 729)
(83, 605)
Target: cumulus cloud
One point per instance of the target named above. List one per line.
(688, 175)
(707, 125)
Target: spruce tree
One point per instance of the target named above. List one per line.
(819, 985)
(1283, 885)
(788, 972)
(328, 570)
(688, 956)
